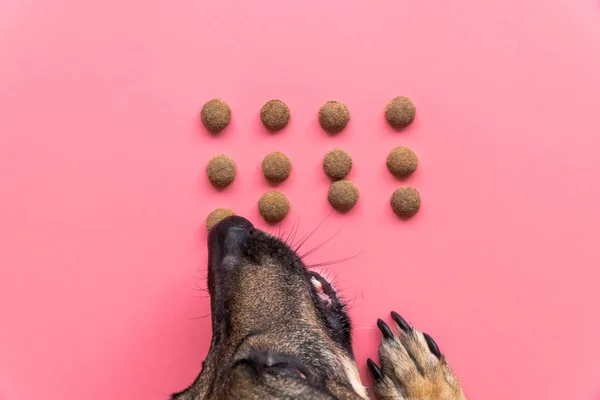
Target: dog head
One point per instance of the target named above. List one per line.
(278, 329)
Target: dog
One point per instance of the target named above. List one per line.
(280, 331)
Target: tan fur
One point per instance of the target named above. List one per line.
(412, 372)
(353, 376)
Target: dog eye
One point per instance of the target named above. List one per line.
(323, 290)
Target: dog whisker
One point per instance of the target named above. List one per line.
(303, 240)
(317, 247)
(295, 232)
(332, 262)
(292, 230)
(201, 317)
(197, 288)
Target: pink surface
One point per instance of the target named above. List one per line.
(103, 197)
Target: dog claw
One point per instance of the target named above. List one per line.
(385, 329)
(377, 374)
(401, 322)
(411, 366)
(433, 347)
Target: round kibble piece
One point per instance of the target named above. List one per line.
(273, 206)
(406, 202)
(275, 115)
(215, 115)
(216, 216)
(334, 116)
(276, 166)
(342, 195)
(402, 161)
(400, 112)
(221, 170)
(337, 164)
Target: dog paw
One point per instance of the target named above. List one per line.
(412, 366)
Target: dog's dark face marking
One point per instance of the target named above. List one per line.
(279, 330)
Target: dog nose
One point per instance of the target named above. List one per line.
(234, 222)
(226, 238)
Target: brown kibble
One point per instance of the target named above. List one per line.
(400, 112)
(216, 216)
(334, 116)
(402, 161)
(337, 164)
(221, 170)
(342, 195)
(276, 166)
(405, 202)
(273, 206)
(215, 115)
(275, 115)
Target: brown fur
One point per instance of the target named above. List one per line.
(281, 332)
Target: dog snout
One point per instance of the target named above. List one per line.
(232, 225)
(226, 238)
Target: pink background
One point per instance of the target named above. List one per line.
(103, 195)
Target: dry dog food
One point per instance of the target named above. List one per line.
(402, 161)
(276, 166)
(400, 112)
(221, 170)
(342, 195)
(334, 116)
(337, 164)
(273, 206)
(275, 115)
(215, 115)
(405, 202)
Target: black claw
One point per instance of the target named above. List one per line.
(401, 322)
(377, 374)
(385, 329)
(433, 347)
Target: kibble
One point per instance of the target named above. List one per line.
(273, 206)
(221, 170)
(400, 112)
(402, 161)
(337, 164)
(275, 115)
(405, 202)
(216, 216)
(334, 116)
(342, 195)
(276, 166)
(215, 115)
